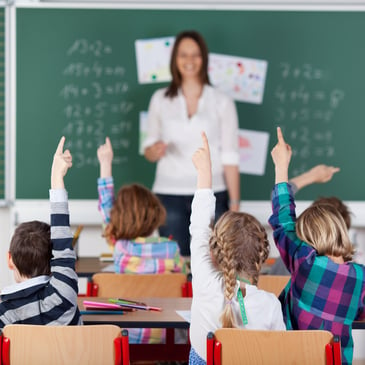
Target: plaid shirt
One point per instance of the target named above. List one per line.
(152, 255)
(321, 294)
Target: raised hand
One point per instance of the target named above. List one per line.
(202, 163)
(322, 173)
(62, 161)
(317, 174)
(281, 155)
(105, 156)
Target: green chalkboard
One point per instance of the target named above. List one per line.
(77, 76)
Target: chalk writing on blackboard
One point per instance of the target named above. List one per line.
(96, 48)
(306, 103)
(95, 104)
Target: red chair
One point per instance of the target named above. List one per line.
(58, 345)
(232, 346)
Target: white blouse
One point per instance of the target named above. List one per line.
(168, 121)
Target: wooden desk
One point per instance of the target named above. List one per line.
(88, 266)
(167, 318)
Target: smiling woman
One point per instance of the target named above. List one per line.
(176, 117)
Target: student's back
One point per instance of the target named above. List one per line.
(225, 264)
(131, 220)
(46, 286)
(327, 290)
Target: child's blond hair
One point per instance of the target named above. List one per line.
(239, 246)
(324, 228)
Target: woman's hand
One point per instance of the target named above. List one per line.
(156, 151)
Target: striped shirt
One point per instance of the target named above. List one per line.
(152, 255)
(48, 300)
(321, 293)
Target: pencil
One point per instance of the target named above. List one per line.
(124, 304)
(122, 300)
(86, 312)
(77, 235)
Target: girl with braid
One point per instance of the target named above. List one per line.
(225, 265)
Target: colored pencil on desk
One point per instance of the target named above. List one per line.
(100, 305)
(123, 304)
(122, 300)
(87, 312)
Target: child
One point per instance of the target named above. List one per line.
(225, 266)
(279, 267)
(43, 262)
(326, 290)
(131, 221)
(317, 174)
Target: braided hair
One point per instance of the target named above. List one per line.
(239, 246)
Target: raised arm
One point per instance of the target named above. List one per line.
(202, 215)
(317, 174)
(283, 217)
(105, 157)
(105, 182)
(64, 278)
(203, 165)
(281, 155)
(62, 161)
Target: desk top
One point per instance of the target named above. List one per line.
(167, 318)
(358, 325)
(87, 266)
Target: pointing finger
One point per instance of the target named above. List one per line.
(280, 136)
(59, 149)
(205, 141)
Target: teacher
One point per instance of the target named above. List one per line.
(176, 117)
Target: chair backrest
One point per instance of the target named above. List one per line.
(56, 345)
(273, 283)
(234, 346)
(169, 285)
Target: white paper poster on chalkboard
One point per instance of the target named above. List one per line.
(253, 151)
(153, 59)
(243, 79)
